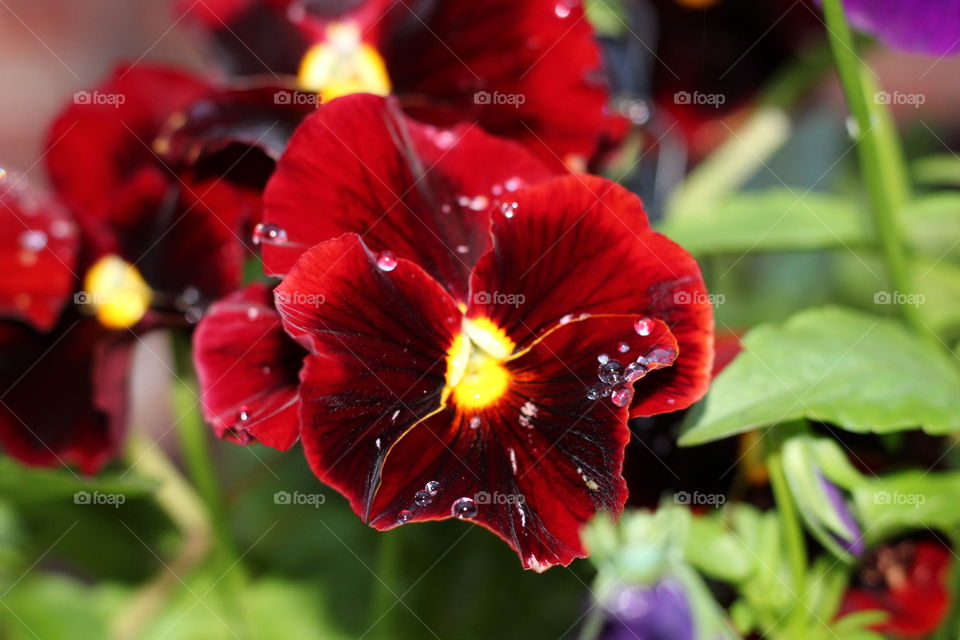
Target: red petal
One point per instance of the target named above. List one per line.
(546, 441)
(102, 141)
(540, 53)
(359, 166)
(581, 244)
(248, 367)
(81, 424)
(379, 342)
(37, 255)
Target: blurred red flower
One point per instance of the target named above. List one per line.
(530, 70)
(908, 581)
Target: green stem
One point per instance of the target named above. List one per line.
(881, 159)
(193, 435)
(593, 624)
(385, 586)
(792, 530)
(185, 508)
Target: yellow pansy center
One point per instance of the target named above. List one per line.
(116, 291)
(476, 377)
(342, 64)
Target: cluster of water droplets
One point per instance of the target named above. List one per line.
(616, 379)
(420, 499)
(188, 303)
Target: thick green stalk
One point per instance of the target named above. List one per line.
(384, 596)
(881, 160)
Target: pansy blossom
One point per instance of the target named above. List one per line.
(473, 353)
(527, 70)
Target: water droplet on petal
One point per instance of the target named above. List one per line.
(387, 261)
(475, 422)
(464, 508)
(422, 498)
(611, 372)
(193, 315)
(643, 327)
(623, 347)
(243, 414)
(33, 240)
(566, 319)
(634, 372)
(662, 356)
(513, 184)
(621, 396)
(562, 9)
(603, 358)
(432, 487)
(253, 313)
(594, 393)
(265, 233)
(403, 517)
(462, 248)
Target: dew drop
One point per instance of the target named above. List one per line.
(243, 414)
(611, 372)
(562, 9)
(509, 209)
(623, 347)
(594, 393)
(265, 233)
(33, 240)
(253, 313)
(387, 261)
(634, 372)
(432, 487)
(479, 203)
(603, 358)
(643, 326)
(403, 517)
(496, 189)
(422, 498)
(621, 396)
(61, 229)
(567, 319)
(513, 184)
(193, 315)
(662, 356)
(446, 208)
(462, 248)
(475, 422)
(464, 508)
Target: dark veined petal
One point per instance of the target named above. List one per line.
(378, 333)
(38, 253)
(248, 370)
(64, 395)
(119, 119)
(582, 245)
(530, 70)
(538, 463)
(358, 165)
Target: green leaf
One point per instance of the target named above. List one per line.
(941, 169)
(857, 371)
(769, 220)
(911, 500)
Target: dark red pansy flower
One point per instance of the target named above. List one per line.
(908, 580)
(527, 70)
(478, 334)
(157, 242)
(247, 368)
(131, 205)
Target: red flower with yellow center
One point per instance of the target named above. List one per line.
(528, 70)
(477, 332)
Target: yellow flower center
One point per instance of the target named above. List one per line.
(342, 64)
(476, 376)
(116, 291)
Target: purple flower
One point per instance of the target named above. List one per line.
(919, 26)
(854, 543)
(660, 612)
